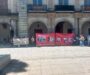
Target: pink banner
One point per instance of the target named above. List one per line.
(64, 39)
(54, 39)
(45, 39)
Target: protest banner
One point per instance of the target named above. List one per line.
(54, 39)
(64, 39)
(45, 39)
(20, 41)
(59, 39)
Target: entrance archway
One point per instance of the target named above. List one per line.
(85, 29)
(64, 27)
(37, 27)
(6, 32)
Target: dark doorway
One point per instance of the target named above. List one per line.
(59, 28)
(38, 31)
(70, 30)
(85, 29)
(37, 27)
(64, 27)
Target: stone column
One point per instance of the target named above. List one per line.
(51, 21)
(78, 17)
(22, 24)
(75, 25)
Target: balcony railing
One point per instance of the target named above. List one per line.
(86, 8)
(36, 8)
(64, 8)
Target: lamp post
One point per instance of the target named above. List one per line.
(78, 26)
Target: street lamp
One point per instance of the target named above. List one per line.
(78, 26)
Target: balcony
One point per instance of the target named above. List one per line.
(36, 8)
(64, 8)
(86, 8)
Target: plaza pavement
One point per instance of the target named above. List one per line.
(48, 61)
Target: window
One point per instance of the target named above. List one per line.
(37, 2)
(87, 2)
(63, 2)
(60, 2)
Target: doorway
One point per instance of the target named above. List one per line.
(63, 27)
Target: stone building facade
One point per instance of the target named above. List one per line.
(27, 17)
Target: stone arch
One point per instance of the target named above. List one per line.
(37, 27)
(64, 27)
(82, 22)
(85, 28)
(70, 20)
(37, 19)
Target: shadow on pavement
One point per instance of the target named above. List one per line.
(15, 66)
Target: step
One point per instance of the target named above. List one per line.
(4, 60)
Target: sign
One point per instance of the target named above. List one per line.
(20, 41)
(54, 39)
(64, 39)
(59, 39)
(45, 39)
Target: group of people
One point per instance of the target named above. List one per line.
(84, 40)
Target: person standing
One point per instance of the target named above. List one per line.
(82, 39)
(88, 39)
(32, 40)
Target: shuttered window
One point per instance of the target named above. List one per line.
(87, 2)
(37, 2)
(63, 2)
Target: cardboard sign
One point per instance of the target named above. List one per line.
(20, 41)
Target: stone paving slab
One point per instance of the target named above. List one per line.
(48, 61)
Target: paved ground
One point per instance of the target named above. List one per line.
(48, 61)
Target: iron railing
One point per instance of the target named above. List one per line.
(36, 8)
